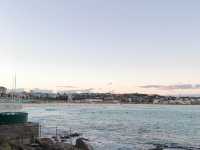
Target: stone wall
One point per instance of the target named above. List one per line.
(20, 133)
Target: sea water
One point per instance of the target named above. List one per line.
(126, 126)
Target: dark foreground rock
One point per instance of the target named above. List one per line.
(45, 144)
(83, 144)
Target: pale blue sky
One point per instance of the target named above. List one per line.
(90, 43)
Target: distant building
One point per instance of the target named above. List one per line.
(52, 95)
(40, 91)
(92, 100)
(2, 90)
(108, 97)
(42, 94)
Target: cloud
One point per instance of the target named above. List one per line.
(87, 90)
(74, 89)
(78, 90)
(67, 86)
(172, 87)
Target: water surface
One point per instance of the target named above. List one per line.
(124, 127)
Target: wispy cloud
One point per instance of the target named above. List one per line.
(66, 86)
(172, 87)
(78, 90)
(88, 90)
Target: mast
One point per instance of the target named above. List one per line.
(15, 85)
(14, 88)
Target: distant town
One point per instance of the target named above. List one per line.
(40, 96)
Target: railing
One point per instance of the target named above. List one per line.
(57, 134)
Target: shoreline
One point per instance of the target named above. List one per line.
(89, 101)
(103, 103)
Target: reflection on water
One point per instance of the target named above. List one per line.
(124, 127)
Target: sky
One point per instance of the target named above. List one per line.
(102, 45)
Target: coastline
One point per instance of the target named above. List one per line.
(100, 103)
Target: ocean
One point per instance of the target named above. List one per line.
(123, 127)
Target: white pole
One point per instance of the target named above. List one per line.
(15, 85)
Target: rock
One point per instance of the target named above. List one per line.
(75, 134)
(83, 144)
(68, 146)
(18, 146)
(5, 146)
(48, 144)
(45, 143)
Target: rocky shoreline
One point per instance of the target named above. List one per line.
(27, 136)
(81, 144)
(45, 144)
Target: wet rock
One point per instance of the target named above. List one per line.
(83, 144)
(63, 146)
(75, 134)
(45, 143)
(48, 144)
